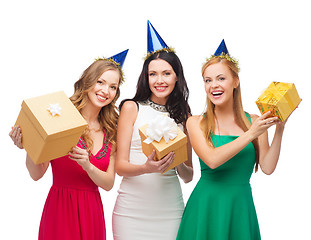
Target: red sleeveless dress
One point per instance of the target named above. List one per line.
(73, 209)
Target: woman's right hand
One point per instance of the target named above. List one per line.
(161, 165)
(261, 124)
(16, 136)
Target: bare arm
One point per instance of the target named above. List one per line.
(269, 155)
(214, 157)
(103, 179)
(185, 170)
(36, 171)
(123, 167)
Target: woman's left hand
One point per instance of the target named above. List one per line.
(81, 156)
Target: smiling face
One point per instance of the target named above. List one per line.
(105, 89)
(219, 84)
(162, 79)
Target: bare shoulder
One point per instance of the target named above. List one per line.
(194, 120)
(129, 106)
(128, 113)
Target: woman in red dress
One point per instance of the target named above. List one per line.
(73, 208)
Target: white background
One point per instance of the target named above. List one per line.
(45, 46)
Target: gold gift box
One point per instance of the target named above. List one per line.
(279, 98)
(178, 145)
(46, 137)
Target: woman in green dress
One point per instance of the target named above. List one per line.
(229, 143)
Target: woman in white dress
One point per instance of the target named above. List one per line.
(150, 204)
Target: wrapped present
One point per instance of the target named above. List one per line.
(51, 125)
(163, 135)
(279, 98)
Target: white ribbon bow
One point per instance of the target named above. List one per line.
(54, 109)
(161, 126)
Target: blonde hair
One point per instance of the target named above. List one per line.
(108, 115)
(207, 123)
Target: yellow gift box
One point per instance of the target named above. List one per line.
(279, 98)
(178, 145)
(51, 125)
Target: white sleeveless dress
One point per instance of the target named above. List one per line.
(148, 206)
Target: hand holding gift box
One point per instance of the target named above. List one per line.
(280, 99)
(163, 135)
(51, 126)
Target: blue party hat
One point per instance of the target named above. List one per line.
(222, 52)
(119, 58)
(222, 49)
(154, 41)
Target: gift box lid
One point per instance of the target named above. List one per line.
(69, 120)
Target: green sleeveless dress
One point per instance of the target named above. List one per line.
(221, 205)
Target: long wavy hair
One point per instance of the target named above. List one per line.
(207, 124)
(177, 103)
(108, 115)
